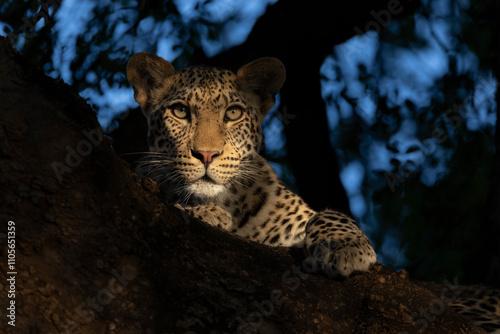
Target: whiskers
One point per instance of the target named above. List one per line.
(162, 169)
(157, 166)
(170, 174)
(247, 169)
(247, 173)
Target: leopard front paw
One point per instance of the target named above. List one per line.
(342, 257)
(337, 245)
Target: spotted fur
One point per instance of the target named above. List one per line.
(479, 303)
(204, 138)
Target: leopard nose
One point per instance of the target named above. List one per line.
(205, 156)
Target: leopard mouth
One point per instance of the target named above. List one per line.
(208, 179)
(205, 188)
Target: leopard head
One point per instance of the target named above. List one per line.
(204, 122)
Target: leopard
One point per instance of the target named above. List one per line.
(204, 136)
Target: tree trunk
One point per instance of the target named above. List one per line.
(96, 251)
(483, 264)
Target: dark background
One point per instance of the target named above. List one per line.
(389, 110)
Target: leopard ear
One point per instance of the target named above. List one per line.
(264, 77)
(146, 72)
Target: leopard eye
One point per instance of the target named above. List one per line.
(233, 113)
(180, 110)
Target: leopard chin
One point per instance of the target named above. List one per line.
(205, 188)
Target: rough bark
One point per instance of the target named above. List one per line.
(96, 252)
